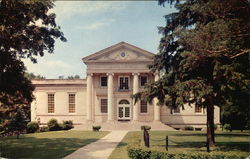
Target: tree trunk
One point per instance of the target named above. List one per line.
(210, 123)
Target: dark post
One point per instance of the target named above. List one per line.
(208, 149)
(166, 143)
(146, 137)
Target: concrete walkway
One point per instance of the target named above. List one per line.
(101, 149)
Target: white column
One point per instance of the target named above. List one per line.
(135, 90)
(89, 97)
(110, 97)
(157, 108)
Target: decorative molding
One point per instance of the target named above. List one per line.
(135, 74)
(110, 73)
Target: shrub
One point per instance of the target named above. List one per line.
(145, 127)
(96, 128)
(188, 128)
(32, 127)
(136, 152)
(44, 129)
(227, 127)
(67, 125)
(215, 126)
(53, 125)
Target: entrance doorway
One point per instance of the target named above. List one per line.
(124, 111)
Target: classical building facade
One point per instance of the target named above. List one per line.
(113, 75)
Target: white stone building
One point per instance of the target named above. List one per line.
(104, 97)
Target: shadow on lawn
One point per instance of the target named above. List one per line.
(216, 134)
(30, 147)
(222, 146)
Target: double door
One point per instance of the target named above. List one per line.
(124, 112)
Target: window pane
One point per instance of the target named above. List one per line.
(144, 80)
(51, 103)
(198, 109)
(104, 105)
(144, 106)
(72, 103)
(124, 83)
(104, 81)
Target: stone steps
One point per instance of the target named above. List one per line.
(129, 125)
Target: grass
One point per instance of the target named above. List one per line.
(180, 141)
(54, 145)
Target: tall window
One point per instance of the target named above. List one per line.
(123, 83)
(72, 104)
(144, 107)
(104, 81)
(143, 81)
(51, 103)
(198, 109)
(104, 105)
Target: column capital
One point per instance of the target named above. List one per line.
(110, 73)
(135, 73)
(89, 74)
(156, 73)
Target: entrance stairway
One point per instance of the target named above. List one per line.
(124, 125)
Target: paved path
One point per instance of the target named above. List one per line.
(101, 149)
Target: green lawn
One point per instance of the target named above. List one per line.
(186, 141)
(47, 145)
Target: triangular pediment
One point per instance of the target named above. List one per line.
(121, 52)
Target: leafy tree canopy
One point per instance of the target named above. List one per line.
(32, 76)
(27, 30)
(203, 55)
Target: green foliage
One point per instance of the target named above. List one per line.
(203, 56)
(18, 122)
(227, 127)
(44, 129)
(32, 127)
(22, 37)
(188, 128)
(145, 127)
(31, 76)
(53, 125)
(215, 126)
(96, 128)
(136, 152)
(67, 125)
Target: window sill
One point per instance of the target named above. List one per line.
(144, 114)
(124, 90)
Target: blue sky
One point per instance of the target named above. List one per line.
(93, 26)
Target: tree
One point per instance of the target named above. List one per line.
(18, 122)
(74, 77)
(32, 76)
(22, 37)
(203, 56)
(27, 30)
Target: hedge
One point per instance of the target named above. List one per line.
(32, 127)
(137, 152)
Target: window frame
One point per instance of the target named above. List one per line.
(100, 104)
(54, 103)
(196, 111)
(147, 108)
(101, 81)
(123, 90)
(141, 80)
(71, 93)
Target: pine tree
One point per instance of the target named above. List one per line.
(203, 56)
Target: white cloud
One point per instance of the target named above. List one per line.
(67, 9)
(48, 67)
(96, 25)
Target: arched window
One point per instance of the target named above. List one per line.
(124, 101)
